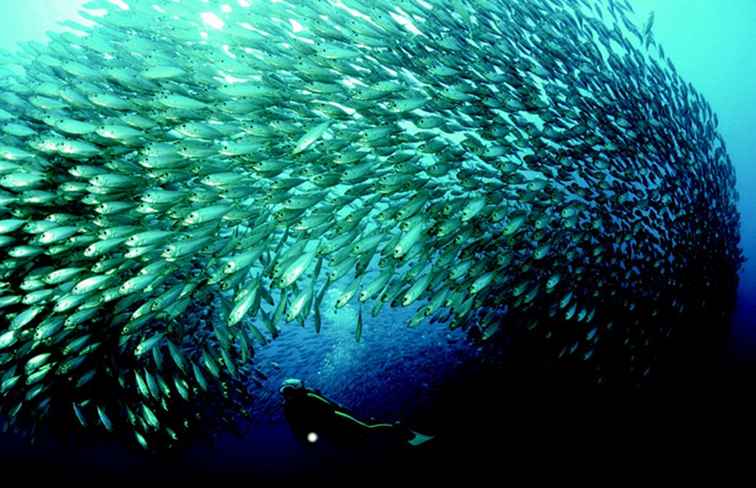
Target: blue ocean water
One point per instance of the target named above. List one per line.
(399, 373)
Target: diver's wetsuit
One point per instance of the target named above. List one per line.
(309, 412)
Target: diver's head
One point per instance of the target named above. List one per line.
(291, 387)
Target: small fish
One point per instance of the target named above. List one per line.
(531, 171)
(311, 136)
(104, 419)
(358, 329)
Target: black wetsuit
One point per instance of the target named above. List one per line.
(309, 413)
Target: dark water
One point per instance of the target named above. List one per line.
(489, 420)
(525, 430)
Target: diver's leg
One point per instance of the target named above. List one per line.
(383, 433)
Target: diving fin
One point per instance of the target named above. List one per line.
(419, 439)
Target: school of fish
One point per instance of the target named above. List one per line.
(516, 167)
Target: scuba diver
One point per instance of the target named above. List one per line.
(313, 417)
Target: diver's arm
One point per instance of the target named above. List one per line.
(315, 395)
(364, 424)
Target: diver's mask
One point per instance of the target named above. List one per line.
(291, 386)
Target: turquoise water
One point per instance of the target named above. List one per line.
(709, 43)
